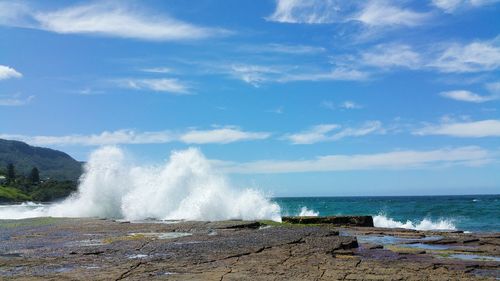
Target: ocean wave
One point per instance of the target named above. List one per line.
(425, 224)
(304, 212)
(186, 187)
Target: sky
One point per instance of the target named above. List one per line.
(297, 98)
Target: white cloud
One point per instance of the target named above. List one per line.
(396, 160)
(383, 13)
(15, 100)
(112, 19)
(477, 56)
(475, 129)
(7, 72)
(257, 75)
(169, 85)
(473, 57)
(467, 96)
(104, 138)
(285, 49)
(325, 132)
(392, 55)
(336, 74)
(222, 135)
(451, 6)
(344, 105)
(373, 13)
(306, 11)
(313, 135)
(350, 105)
(161, 70)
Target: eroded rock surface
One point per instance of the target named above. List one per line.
(93, 249)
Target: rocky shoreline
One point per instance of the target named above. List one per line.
(101, 249)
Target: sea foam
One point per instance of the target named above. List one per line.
(425, 224)
(186, 187)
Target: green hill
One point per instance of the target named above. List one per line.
(51, 163)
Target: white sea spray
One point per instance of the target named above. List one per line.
(426, 224)
(185, 187)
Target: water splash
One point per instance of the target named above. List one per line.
(186, 187)
(425, 224)
(304, 212)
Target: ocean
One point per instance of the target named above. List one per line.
(475, 213)
(187, 188)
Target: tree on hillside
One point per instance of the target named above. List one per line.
(34, 176)
(11, 173)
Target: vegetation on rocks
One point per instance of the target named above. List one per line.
(29, 173)
(16, 188)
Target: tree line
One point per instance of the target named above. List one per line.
(19, 187)
(11, 177)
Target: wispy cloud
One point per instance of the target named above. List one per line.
(333, 132)
(467, 96)
(344, 105)
(257, 75)
(336, 74)
(451, 6)
(7, 72)
(350, 105)
(278, 110)
(473, 57)
(89, 92)
(160, 70)
(104, 18)
(474, 129)
(14, 100)
(384, 13)
(387, 56)
(306, 11)
(373, 13)
(395, 160)
(328, 105)
(223, 135)
(284, 49)
(476, 56)
(104, 138)
(169, 85)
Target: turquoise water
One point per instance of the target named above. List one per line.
(468, 213)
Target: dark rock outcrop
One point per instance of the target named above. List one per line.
(366, 221)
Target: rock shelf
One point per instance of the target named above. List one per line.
(97, 249)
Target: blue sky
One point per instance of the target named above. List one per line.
(294, 97)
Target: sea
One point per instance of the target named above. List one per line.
(187, 187)
(474, 213)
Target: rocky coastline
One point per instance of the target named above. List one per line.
(330, 248)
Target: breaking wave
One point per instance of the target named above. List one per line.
(425, 224)
(186, 187)
(304, 212)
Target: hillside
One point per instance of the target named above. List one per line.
(51, 163)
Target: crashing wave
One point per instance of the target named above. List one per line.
(304, 212)
(425, 224)
(186, 187)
